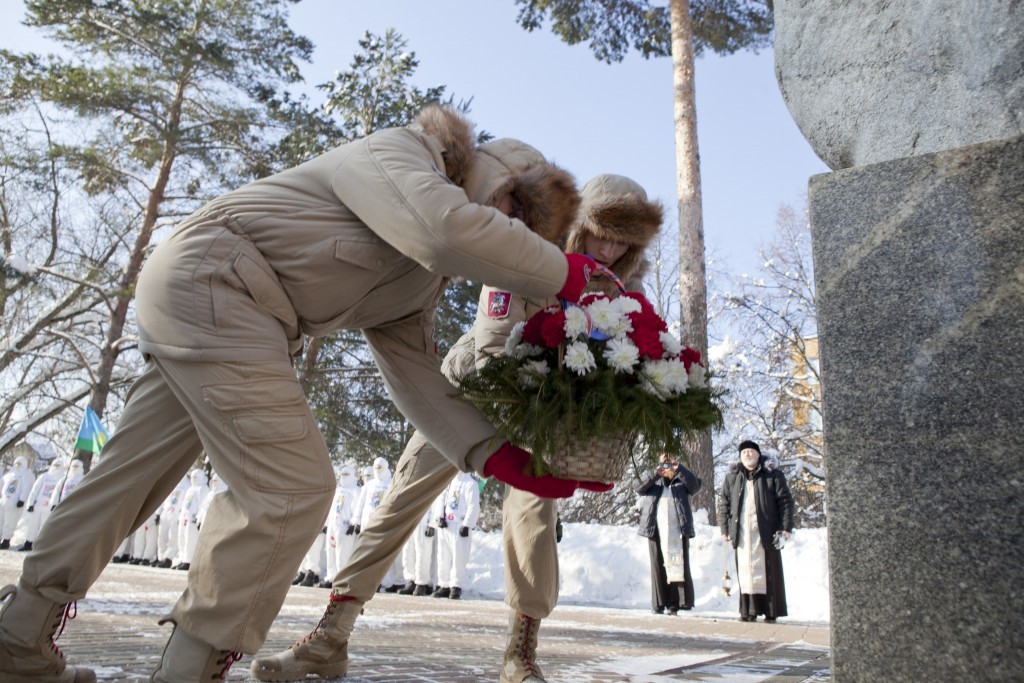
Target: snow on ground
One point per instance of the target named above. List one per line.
(608, 566)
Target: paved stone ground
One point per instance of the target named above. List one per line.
(427, 640)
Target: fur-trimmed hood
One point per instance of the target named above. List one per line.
(616, 208)
(488, 172)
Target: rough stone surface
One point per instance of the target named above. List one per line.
(877, 80)
(920, 280)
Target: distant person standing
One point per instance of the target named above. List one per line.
(167, 526)
(188, 518)
(666, 520)
(341, 537)
(456, 515)
(17, 484)
(370, 499)
(755, 508)
(37, 507)
(74, 477)
(418, 559)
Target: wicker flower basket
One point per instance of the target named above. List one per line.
(597, 460)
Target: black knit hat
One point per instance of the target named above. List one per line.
(749, 444)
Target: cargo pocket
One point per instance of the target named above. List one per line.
(280, 448)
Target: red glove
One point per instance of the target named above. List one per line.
(508, 465)
(580, 268)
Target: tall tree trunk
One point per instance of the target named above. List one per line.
(119, 313)
(692, 279)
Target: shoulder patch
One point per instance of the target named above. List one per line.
(498, 304)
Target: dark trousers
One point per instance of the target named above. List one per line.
(665, 595)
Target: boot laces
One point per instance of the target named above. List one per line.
(227, 660)
(63, 616)
(335, 599)
(528, 645)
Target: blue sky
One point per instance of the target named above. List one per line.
(587, 116)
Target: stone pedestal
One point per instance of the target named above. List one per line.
(920, 279)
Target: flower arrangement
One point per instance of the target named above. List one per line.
(604, 372)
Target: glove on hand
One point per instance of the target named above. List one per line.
(558, 531)
(441, 523)
(464, 531)
(31, 508)
(507, 465)
(350, 530)
(20, 504)
(156, 520)
(359, 528)
(429, 532)
(580, 268)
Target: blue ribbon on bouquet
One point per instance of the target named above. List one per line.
(604, 271)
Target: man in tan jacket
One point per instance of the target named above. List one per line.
(614, 224)
(361, 237)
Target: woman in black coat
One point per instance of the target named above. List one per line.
(668, 529)
(751, 523)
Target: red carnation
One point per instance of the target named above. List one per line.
(592, 297)
(552, 329)
(689, 357)
(545, 328)
(648, 341)
(531, 331)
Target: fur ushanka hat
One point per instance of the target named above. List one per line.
(489, 171)
(616, 208)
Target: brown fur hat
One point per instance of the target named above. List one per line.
(489, 171)
(617, 208)
(455, 133)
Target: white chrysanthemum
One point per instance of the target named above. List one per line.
(607, 318)
(521, 351)
(576, 323)
(670, 343)
(514, 337)
(622, 355)
(663, 378)
(626, 304)
(532, 372)
(579, 359)
(698, 376)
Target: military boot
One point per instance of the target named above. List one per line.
(190, 660)
(323, 652)
(520, 663)
(28, 626)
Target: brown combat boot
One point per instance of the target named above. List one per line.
(29, 624)
(324, 652)
(190, 660)
(520, 663)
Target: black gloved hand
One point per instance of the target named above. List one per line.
(429, 533)
(441, 524)
(350, 530)
(21, 504)
(558, 531)
(464, 531)
(31, 508)
(324, 530)
(359, 528)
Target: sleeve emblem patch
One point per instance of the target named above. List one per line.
(498, 304)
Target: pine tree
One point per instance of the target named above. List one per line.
(162, 103)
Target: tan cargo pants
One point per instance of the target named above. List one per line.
(422, 473)
(256, 427)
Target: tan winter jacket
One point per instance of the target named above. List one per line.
(361, 237)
